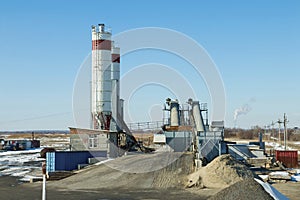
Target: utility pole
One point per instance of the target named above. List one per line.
(279, 127)
(272, 131)
(285, 121)
(267, 132)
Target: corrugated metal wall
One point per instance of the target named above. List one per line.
(69, 160)
(179, 141)
(50, 161)
(288, 158)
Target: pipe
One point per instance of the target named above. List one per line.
(198, 116)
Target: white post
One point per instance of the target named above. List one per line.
(285, 130)
(279, 127)
(44, 187)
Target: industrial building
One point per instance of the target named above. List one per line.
(185, 130)
(107, 124)
(185, 126)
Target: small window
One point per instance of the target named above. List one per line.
(93, 141)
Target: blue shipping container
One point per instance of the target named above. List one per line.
(69, 160)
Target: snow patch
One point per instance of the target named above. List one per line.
(295, 178)
(279, 173)
(277, 146)
(4, 153)
(27, 178)
(20, 163)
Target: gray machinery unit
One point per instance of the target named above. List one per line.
(185, 129)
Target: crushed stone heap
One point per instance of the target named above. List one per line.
(232, 178)
(220, 173)
(246, 189)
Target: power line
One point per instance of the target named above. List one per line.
(36, 118)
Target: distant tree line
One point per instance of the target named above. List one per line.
(253, 133)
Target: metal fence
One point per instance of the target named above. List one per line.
(145, 126)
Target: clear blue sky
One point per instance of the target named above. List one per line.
(255, 45)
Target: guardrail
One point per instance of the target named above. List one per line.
(145, 126)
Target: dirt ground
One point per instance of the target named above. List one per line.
(139, 185)
(170, 182)
(10, 189)
(72, 187)
(289, 189)
(108, 182)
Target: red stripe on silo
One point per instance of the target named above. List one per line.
(115, 58)
(101, 45)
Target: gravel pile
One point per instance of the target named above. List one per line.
(231, 178)
(225, 170)
(246, 189)
(222, 172)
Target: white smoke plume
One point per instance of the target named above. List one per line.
(245, 109)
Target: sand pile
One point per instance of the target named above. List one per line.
(220, 173)
(231, 178)
(108, 176)
(246, 189)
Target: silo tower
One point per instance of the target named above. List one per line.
(115, 78)
(101, 84)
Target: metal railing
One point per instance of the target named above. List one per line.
(145, 126)
(237, 152)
